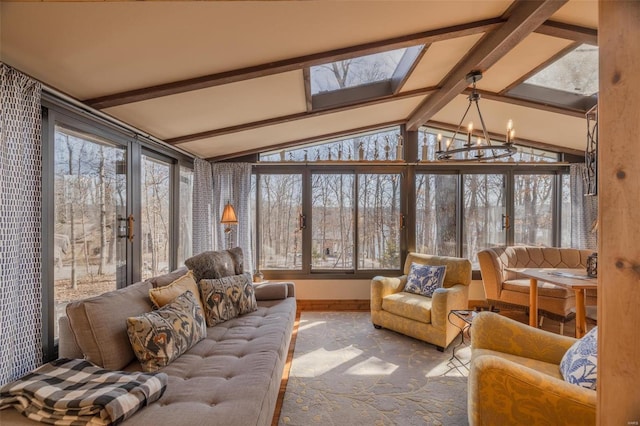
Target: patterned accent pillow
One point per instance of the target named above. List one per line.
(227, 297)
(579, 364)
(424, 279)
(159, 337)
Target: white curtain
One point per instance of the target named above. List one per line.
(20, 224)
(203, 215)
(584, 211)
(232, 183)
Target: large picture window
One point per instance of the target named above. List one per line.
(354, 207)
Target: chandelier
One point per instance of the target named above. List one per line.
(482, 149)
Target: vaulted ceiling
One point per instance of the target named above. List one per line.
(225, 79)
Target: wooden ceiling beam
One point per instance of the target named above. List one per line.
(292, 64)
(522, 19)
(293, 117)
(570, 32)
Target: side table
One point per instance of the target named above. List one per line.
(467, 316)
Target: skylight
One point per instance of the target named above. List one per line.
(576, 72)
(354, 72)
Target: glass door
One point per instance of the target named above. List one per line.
(91, 224)
(485, 217)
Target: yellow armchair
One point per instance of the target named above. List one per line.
(515, 377)
(421, 317)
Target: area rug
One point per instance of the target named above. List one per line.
(345, 372)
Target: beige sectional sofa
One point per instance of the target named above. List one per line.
(232, 377)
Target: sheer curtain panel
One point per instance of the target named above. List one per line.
(232, 183)
(203, 215)
(20, 224)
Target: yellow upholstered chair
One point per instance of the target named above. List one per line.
(515, 377)
(421, 317)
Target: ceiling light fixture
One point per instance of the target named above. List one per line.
(483, 149)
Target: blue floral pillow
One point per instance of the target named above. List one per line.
(424, 279)
(579, 364)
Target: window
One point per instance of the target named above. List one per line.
(533, 209)
(280, 211)
(365, 77)
(570, 82)
(377, 145)
(484, 214)
(378, 221)
(332, 218)
(429, 147)
(90, 207)
(355, 71)
(575, 72)
(436, 214)
(155, 206)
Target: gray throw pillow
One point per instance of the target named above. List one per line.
(216, 264)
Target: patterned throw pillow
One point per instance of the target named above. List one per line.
(579, 364)
(160, 296)
(424, 279)
(159, 337)
(227, 297)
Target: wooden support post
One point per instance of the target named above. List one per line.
(619, 215)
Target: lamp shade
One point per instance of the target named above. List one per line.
(229, 215)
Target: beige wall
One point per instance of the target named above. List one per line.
(354, 289)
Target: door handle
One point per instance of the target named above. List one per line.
(302, 221)
(130, 221)
(505, 221)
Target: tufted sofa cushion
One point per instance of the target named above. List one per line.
(231, 377)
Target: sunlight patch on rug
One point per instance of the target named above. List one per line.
(345, 372)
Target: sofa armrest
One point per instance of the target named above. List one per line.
(504, 392)
(271, 291)
(444, 300)
(384, 286)
(502, 334)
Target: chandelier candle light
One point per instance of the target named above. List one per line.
(484, 149)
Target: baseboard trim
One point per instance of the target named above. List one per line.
(356, 304)
(334, 305)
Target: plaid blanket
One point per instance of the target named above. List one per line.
(75, 392)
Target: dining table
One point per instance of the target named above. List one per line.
(570, 278)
